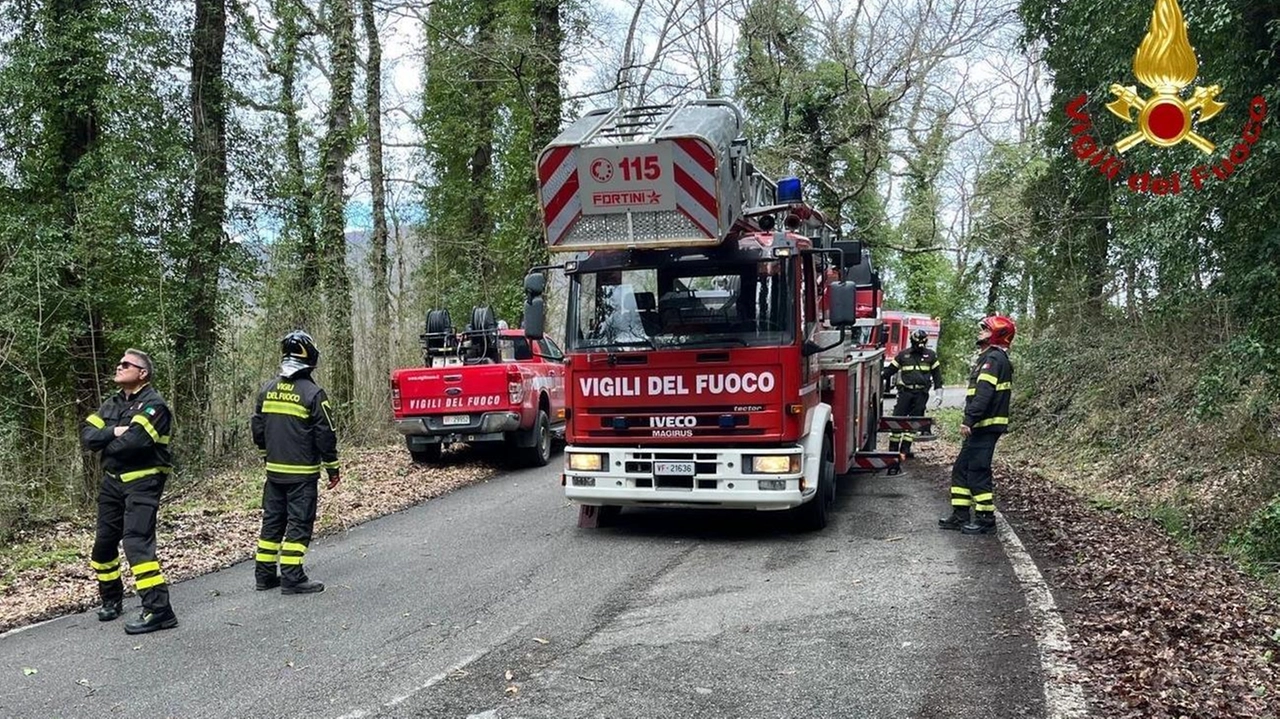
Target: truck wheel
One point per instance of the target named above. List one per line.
(540, 453)
(425, 454)
(812, 516)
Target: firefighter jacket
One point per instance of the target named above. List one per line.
(143, 450)
(292, 428)
(915, 368)
(986, 407)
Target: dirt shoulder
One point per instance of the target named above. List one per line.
(1159, 630)
(214, 524)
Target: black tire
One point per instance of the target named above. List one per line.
(814, 514)
(609, 514)
(540, 453)
(425, 454)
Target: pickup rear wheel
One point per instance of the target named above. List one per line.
(540, 453)
(425, 454)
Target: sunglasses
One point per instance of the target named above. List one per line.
(124, 364)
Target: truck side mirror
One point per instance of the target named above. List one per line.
(535, 283)
(535, 317)
(852, 250)
(884, 336)
(842, 310)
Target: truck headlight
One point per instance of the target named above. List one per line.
(583, 462)
(775, 464)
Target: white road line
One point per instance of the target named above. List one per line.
(1063, 696)
(16, 630)
(503, 639)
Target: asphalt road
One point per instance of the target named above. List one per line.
(491, 603)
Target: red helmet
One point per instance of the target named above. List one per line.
(1002, 330)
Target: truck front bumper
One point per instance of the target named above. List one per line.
(721, 478)
(480, 427)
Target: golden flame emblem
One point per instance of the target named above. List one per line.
(1166, 63)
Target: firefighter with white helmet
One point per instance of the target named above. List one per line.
(986, 417)
(293, 429)
(917, 368)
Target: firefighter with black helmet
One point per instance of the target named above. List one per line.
(132, 430)
(917, 367)
(293, 429)
(986, 417)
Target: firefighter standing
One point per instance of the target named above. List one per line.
(132, 430)
(916, 366)
(986, 417)
(293, 429)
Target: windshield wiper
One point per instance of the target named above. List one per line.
(710, 340)
(606, 346)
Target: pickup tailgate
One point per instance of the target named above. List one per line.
(457, 390)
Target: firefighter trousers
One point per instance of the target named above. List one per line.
(971, 480)
(911, 403)
(127, 510)
(288, 517)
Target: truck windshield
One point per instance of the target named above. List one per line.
(682, 305)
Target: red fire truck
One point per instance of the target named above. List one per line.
(897, 329)
(715, 352)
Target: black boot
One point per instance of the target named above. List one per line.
(959, 518)
(152, 621)
(983, 523)
(304, 587)
(110, 610)
(263, 584)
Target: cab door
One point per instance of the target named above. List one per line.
(552, 360)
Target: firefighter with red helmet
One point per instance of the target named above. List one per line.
(293, 429)
(917, 368)
(986, 417)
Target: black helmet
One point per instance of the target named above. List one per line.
(298, 345)
(919, 338)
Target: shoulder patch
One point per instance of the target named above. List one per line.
(151, 411)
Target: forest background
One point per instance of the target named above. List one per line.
(196, 178)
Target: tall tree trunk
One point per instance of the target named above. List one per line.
(197, 341)
(998, 269)
(377, 179)
(548, 42)
(1096, 279)
(73, 130)
(333, 239)
(480, 220)
(301, 200)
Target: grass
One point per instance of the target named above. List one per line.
(1117, 423)
(22, 556)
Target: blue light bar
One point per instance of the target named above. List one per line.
(619, 423)
(789, 190)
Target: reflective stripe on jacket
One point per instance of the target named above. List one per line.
(143, 450)
(292, 427)
(916, 368)
(986, 407)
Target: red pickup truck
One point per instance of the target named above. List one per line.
(485, 385)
